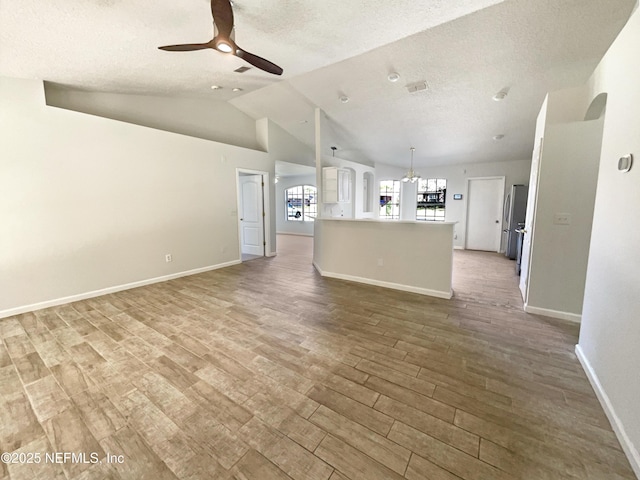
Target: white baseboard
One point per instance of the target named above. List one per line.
(380, 283)
(457, 247)
(297, 234)
(105, 291)
(572, 317)
(272, 254)
(627, 445)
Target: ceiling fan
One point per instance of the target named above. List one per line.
(224, 39)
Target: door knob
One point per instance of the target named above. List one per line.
(497, 221)
(242, 219)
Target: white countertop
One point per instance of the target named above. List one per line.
(377, 220)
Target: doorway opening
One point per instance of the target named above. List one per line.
(253, 214)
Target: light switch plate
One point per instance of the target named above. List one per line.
(562, 219)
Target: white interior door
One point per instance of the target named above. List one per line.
(251, 215)
(484, 213)
(528, 221)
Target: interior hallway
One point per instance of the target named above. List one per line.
(265, 370)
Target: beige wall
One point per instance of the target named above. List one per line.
(386, 253)
(209, 119)
(610, 331)
(567, 178)
(90, 203)
(515, 172)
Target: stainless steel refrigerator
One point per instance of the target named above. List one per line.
(515, 210)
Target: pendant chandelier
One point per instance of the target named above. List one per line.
(411, 176)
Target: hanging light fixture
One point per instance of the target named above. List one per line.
(411, 176)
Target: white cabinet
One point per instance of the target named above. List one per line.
(336, 185)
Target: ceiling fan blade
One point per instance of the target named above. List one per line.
(222, 17)
(259, 62)
(223, 41)
(187, 47)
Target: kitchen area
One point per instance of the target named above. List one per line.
(514, 213)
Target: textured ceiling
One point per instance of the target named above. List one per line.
(465, 50)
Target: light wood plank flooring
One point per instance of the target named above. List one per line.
(265, 371)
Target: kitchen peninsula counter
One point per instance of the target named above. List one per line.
(413, 256)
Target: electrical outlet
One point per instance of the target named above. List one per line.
(168, 258)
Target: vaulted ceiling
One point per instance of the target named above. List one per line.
(465, 51)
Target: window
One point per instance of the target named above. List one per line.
(390, 199)
(301, 203)
(432, 195)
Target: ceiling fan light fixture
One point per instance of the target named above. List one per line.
(393, 77)
(224, 47)
(344, 99)
(215, 87)
(224, 39)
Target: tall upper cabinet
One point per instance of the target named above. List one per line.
(336, 185)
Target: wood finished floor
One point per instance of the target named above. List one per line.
(265, 370)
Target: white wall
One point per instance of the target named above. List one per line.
(516, 172)
(90, 203)
(354, 208)
(610, 330)
(375, 252)
(203, 118)
(282, 146)
(567, 178)
(282, 224)
(324, 134)
(532, 197)
(565, 106)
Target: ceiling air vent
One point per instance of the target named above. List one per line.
(242, 69)
(416, 87)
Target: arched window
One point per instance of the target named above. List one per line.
(301, 203)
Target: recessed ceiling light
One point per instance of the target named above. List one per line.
(344, 99)
(393, 77)
(501, 95)
(215, 87)
(498, 137)
(237, 89)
